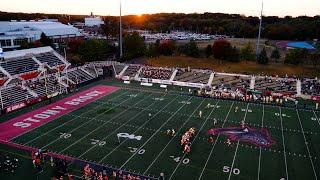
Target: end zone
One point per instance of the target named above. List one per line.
(29, 121)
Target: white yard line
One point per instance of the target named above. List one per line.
(75, 118)
(94, 118)
(315, 115)
(306, 143)
(174, 171)
(205, 166)
(141, 128)
(235, 154)
(260, 147)
(156, 133)
(284, 147)
(125, 124)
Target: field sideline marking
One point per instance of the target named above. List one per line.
(204, 167)
(138, 130)
(71, 120)
(90, 121)
(105, 122)
(306, 143)
(260, 147)
(155, 133)
(235, 154)
(284, 147)
(133, 117)
(191, 142)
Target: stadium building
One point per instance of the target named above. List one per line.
(14, 33)
(144, 122)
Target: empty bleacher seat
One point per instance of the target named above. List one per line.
(49, 58)
(20, 65)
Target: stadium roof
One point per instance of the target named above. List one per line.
(24, 52)
(49, 28)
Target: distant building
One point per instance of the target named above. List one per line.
(14, 33)
(93, 21)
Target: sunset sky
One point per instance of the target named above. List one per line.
(111, 7)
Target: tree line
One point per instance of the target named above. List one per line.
(80, 51)
(277, 28)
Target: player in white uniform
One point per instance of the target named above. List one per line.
(228, 142)
(242, 123)
(173, 132)
(208, 105)
(215, 121)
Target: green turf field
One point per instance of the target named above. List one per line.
(91, 133)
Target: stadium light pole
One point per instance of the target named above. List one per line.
(259, 35)
(120, 32)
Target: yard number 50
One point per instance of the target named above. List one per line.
(227, 169)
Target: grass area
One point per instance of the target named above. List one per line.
(156, 152)
(248, 67)
(240, 43)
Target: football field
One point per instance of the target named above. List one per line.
(127, 130)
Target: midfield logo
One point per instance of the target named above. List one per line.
(129, 136)
(258, 137)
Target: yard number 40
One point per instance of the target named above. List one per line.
(177, 159)
(227, 169)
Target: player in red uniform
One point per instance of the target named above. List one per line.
(211, 140)
(187, 148)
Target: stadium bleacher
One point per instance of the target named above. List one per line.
(156, 73)
(2, 75)
(132, 70)
(310, 87)
(27, 81)
(44, 86)
(49, 58)
(275, 84)
(91, 70)
(14, 95)
(192, 76)
(78, 75)
(230, 82)
(19, 65)
(3, 78)
(118, 68)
